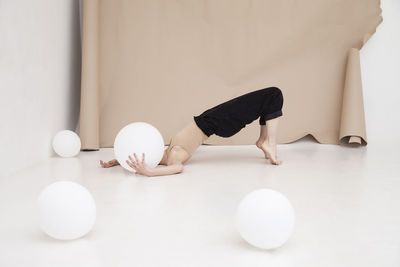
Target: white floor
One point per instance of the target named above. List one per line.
(347, 203)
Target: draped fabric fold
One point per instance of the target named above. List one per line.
(352, 122)
(164, 62)
(89, 115)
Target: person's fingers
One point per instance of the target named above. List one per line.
(131, 158)
(131, 165)
(143, 157)
(134, 154)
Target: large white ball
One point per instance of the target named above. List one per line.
(265, 219)
(66, 143)
(139, 137)
(67, 210)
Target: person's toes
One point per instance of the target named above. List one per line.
(275, 162)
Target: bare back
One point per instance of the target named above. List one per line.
(183, 144)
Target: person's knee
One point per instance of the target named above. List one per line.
(276, 93)
(276, 98)
(275, 90)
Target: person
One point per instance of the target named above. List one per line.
(224, 120)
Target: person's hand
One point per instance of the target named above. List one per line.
(139, 166)
(109, 164)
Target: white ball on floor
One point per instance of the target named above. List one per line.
(139, 137)
(67, 210)
(66, 143)
(265, 218)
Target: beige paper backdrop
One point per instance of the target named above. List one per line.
(164, 61)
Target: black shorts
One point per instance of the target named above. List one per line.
(230, 117)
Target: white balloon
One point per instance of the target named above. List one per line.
(139, 137)
(265, 218)
(66, 143)
(67, 210)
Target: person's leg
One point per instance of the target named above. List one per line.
(268, 130)
(269, 121)
(267, 140)
(263, 135)
(229, 117)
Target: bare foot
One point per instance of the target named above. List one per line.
(109, 164)
(269, 150)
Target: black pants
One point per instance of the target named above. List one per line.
(230, 117)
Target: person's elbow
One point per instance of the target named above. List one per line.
(179, 168)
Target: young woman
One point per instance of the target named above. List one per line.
(223, 120)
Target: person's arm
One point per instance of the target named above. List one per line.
(166, 170)
(164, 158)
(109, 164)
(142, 168)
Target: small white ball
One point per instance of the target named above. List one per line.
(139, 137)
(67, 210)
(66, 143)
(265, 218)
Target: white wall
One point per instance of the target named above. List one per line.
(39, 78)
(380, 68)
